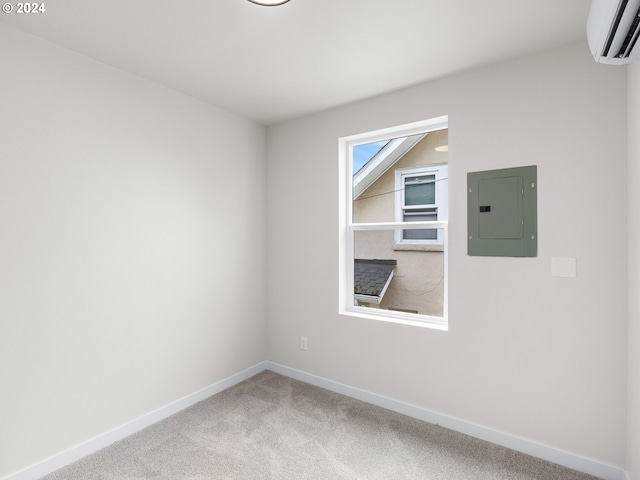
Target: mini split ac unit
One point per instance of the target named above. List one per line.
(612, 31)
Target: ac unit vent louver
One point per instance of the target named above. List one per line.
(613, 29)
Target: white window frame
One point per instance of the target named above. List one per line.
(347, 229)
(441, 172)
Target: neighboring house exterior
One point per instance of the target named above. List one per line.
(402, 270)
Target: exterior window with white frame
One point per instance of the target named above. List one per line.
(389, 179)
(421, 195)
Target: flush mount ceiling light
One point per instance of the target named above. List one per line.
(442, 148)
(269, 3)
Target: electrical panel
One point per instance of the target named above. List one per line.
(502, 212)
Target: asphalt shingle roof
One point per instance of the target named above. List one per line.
(370, 276)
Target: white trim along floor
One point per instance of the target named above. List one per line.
(544, 452)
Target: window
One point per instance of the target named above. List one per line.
(421, 195)
(388, 179)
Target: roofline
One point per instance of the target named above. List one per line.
(382, 161)
(372, 298)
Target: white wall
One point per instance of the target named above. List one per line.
(127, 281)
(131, 247)
(534, 356)
(633, 273)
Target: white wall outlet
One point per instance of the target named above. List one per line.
(303, 343)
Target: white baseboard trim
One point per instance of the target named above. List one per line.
(544, 452)
(73, 454)
(99, 442)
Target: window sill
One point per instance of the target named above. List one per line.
(418, 247)
(423, 321)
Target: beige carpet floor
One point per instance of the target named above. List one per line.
(274, 427)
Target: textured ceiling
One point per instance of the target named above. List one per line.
(275, 63)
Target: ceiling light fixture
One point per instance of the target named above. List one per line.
(269, 3)
(442, 148)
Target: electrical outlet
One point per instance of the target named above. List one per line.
(303, 343)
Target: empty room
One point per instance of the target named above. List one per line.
(204, 267)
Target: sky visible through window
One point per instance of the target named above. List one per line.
(363, 153)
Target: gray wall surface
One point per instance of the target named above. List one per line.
(131, 233)
(633, 272)
(528, 354)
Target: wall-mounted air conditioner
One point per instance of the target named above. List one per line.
(612, 30)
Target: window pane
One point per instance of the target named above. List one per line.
(420, 234)
(377, 194)
(362, 154)
(420, 190)
(400, 280)
(420, 216)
